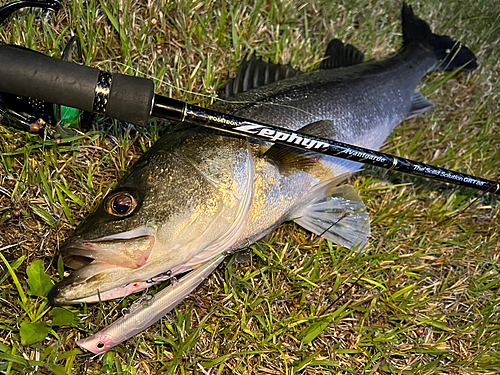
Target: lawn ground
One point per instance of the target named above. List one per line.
(422, 299)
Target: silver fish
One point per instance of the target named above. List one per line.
(198, 193)
(149, 312)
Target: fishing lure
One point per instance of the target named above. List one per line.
(149, 311)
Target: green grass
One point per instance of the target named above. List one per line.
(421, 300)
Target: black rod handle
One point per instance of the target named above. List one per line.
(28, 73)
(180, 111)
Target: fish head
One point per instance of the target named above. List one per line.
(177, 207)
(98, 343)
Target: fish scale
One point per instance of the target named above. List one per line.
(199, 193)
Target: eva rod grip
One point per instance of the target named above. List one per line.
(31, 74)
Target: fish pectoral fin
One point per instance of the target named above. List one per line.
(419, 104)
(336, 213)
(340, 55)
(289, 158)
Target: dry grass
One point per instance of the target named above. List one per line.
(422, 300)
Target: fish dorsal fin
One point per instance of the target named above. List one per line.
(419, 104)
(254, 72)
(336, 213)
(289, 158)
(340, 55)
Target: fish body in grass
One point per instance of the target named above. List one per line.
(198, 193)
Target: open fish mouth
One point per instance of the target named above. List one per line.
(128, 253)
(102, 268)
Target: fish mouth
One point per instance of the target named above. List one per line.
(127, 253)
(101, 268)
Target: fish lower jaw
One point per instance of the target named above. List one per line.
(59, 296)
(120, 292)
(100, 281)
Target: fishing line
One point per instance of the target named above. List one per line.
(356, 282)
(483, 193)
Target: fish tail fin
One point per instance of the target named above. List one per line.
(450, 53)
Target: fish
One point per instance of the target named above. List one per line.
(148, 311)
(198, 193)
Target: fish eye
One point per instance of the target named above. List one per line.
(121, 204)
(100, 345)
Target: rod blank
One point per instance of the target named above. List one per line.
(180, 111)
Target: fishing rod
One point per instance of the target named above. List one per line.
(132, 99)
(8, 9)
(32, 115)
